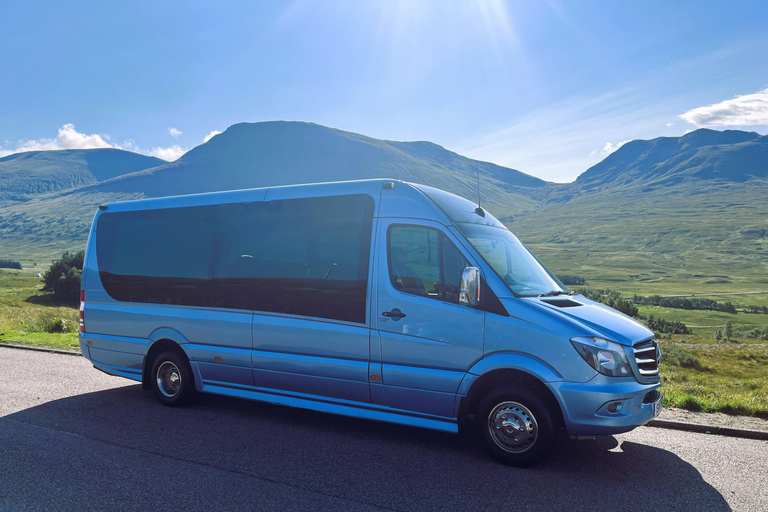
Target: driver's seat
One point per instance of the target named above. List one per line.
(406, 279)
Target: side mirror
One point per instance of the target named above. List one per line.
(469, 295)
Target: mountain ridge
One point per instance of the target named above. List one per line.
(250, 155)
(700, 154)
(703, 172)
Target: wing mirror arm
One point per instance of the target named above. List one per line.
(469, 295)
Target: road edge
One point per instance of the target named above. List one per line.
(40, 349)
(708, 429)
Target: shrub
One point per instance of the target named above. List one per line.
(63, 277)
(49, 321)
(663, 326)
(10, 264)
(684, 303)
(728, 332)
(677, 356)
(572, 280)
(55, 325)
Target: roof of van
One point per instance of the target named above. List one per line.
(396, 198)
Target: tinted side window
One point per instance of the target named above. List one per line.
(423, 261)
(159, 256)
(301, 256)
(305, 257)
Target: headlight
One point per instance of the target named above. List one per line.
(604, 356)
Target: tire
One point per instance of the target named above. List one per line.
(516, 427)
(172, 380)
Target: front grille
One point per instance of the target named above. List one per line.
(647, 358)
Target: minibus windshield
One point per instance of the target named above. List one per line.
(517, 267)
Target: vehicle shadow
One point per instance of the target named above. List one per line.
(373, 463)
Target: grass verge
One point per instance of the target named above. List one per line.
(63, 341)
(731, 379)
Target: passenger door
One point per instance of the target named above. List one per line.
(428, 340)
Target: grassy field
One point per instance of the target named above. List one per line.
(28, 316)
(730, 378)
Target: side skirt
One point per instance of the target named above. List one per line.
(363, 411)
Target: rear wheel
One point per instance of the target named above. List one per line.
(516, 426)
(172, 380)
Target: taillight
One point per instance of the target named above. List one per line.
(82, 310)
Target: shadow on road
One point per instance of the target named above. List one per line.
(373, 463)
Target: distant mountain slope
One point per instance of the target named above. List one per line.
(727, 156)
(251, 155)
(695, 203)
(275, 153)
(37, 172)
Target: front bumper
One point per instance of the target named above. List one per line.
(584, 405)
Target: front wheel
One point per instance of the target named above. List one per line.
(172, 380)
(516, 427)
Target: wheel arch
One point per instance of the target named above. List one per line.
(509, 370)
(159, 341)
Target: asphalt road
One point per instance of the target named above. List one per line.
(73, 438)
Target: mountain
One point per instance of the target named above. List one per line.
(684, 208)
(250, 155)
(35, 172)
(275, 153)
(723, 156)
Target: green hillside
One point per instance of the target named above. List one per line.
(672, 214)
(24, 175)
(710, 237)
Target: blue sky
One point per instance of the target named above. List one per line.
(548, 87)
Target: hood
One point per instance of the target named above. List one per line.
(604, 321)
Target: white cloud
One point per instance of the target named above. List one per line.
(745, 110)
(610, 148)
(175, 132)
(211, 135)
(70, 138)
(669, 124)
(168, 154)
(607, 149)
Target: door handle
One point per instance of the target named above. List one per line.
(395, 313)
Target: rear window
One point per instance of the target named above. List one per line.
(157, 256)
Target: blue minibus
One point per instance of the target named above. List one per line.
(376, 299)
